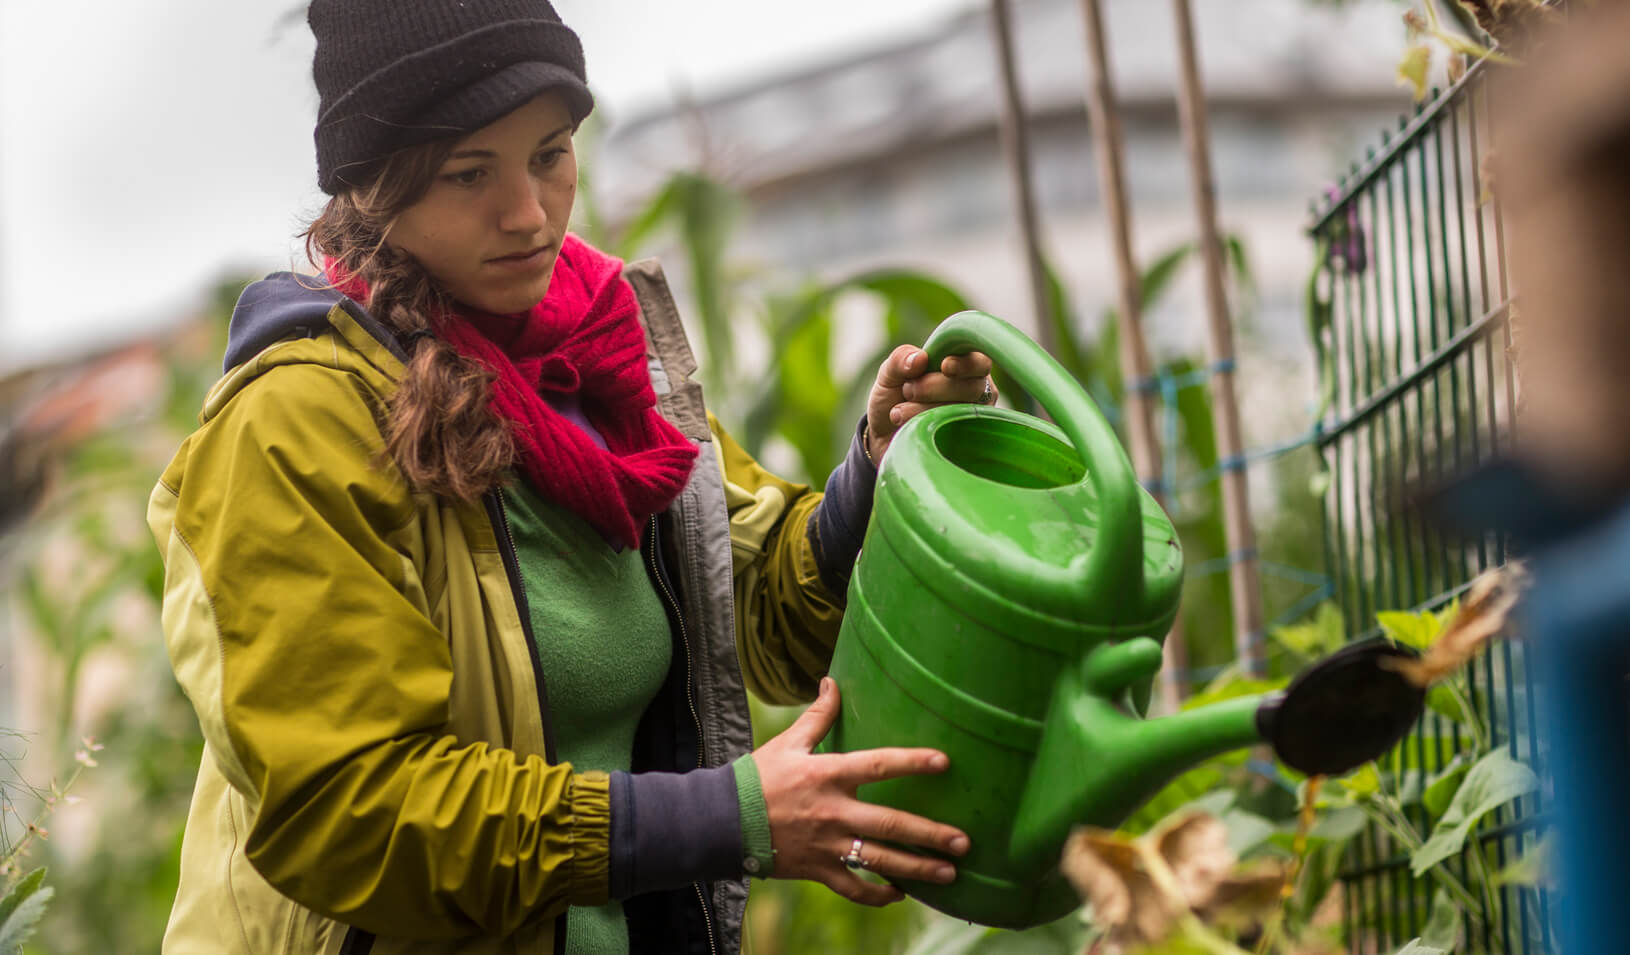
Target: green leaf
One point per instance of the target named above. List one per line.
(1062, 316)
(1496, 779)
(1361, 782)
(1416, 630)
(1416, 947)
(21, 910)
(1530, 869)
(1322, 634)
(26, 886)
(1440, 792)
(646, 222)
(1157, 278)
(1339, 824)
(1413, 68)
(1233, 690)
(1246, 830)
(1443, 926)
(1446, 703)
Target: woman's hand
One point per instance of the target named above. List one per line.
(906, 388)
(815, 817)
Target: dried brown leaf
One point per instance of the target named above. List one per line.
(1457, 67)
(1140, 889)
(1482, 616)
(1195, 847)
(1112, 873)
(1246, 895)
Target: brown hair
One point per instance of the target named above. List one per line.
(440, 429)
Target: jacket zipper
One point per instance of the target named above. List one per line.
(517, 587)
(512, 569)
(690, 697)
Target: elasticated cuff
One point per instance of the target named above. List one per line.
(838, 526)
(758, 854)
(590, 833)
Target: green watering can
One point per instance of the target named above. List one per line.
(1007, 608)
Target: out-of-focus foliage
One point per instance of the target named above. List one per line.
(82, 580)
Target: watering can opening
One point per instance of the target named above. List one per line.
(1008, 452)
(1343, 711)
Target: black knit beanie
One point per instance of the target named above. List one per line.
(396, 73)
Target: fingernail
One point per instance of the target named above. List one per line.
(959, 844)
(917, 359)
(826, 683)
(939, 761)
(944, 873)
(895, 414)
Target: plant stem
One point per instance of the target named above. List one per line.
(1474, 720)
(1389, 816)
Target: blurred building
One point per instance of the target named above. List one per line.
(892, 156)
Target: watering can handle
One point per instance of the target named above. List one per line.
(1117, 555)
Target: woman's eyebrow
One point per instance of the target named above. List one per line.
(489, 154)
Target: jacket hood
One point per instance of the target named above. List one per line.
(285, 305)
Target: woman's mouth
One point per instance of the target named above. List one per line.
(524, 261)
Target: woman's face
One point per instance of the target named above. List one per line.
(490, 226)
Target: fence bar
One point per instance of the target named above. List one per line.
(1429, 366)
(1244, 587)
(1420, 329)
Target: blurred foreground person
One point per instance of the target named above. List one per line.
(1562, 175)
(466, 585)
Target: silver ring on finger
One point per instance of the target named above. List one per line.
(852, 859)
(988, 396)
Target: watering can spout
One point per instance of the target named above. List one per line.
(1097, 762)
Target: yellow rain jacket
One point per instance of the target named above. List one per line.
(377, 773)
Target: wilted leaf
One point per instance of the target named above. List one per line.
(1110, 873)
(1247, 896)
(1495, 780)
(1480, 618)
(1413, 68)
(1141, 888)
(1457, 67)
(1196, 848)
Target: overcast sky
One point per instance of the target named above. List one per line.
(148, 145)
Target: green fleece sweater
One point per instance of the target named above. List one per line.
(605, 648)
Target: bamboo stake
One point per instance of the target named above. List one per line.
(1016, 148)
(1105, 121)
(1243, 584)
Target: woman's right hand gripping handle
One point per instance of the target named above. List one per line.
(815, 817)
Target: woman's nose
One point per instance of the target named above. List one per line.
(522, 210)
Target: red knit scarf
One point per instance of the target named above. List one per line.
(584, 339)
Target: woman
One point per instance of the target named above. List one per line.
(464, 583)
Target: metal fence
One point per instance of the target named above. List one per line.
(1411, 302)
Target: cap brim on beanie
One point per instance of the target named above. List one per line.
(497, 95)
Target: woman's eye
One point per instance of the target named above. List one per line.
(466, 177)
(548, 157)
